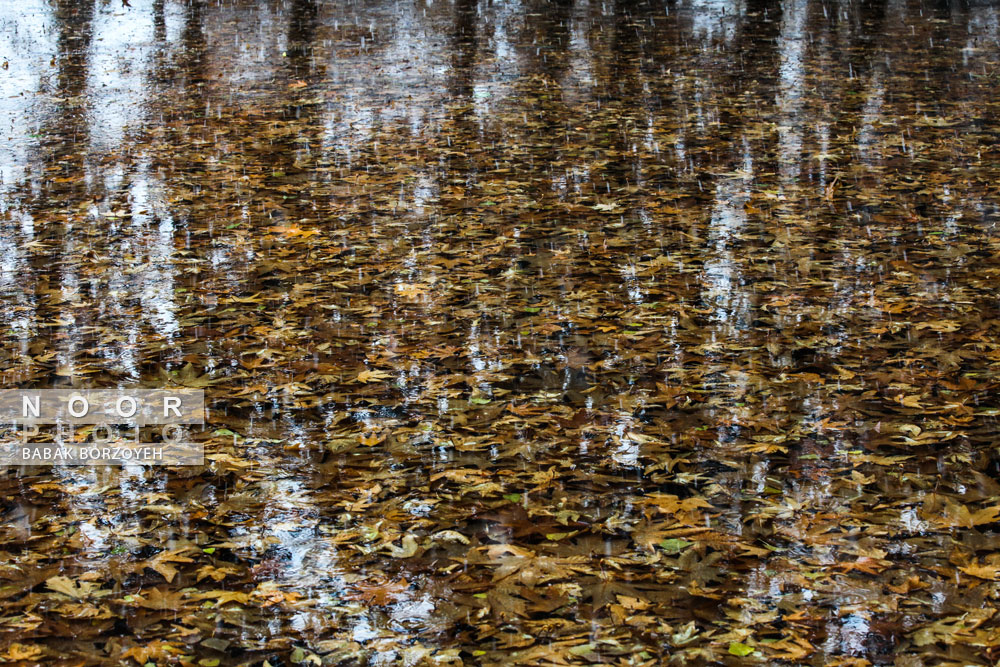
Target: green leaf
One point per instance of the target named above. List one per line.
(209, 550)
(513, 497)
(674, 545)
(532, 309)
(476, 400)
(737, 648)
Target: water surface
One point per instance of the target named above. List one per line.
(532, 332)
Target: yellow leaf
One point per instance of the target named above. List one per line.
(292, 231)
(945, 326)
(981, 571)
(411, 290)
(223, 597)
(67, 586)
(152, 651)
(408, 550)
(161, 563)
(19, 652)
(370, 376)
(987, 515)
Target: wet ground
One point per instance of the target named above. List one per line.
(534, 333)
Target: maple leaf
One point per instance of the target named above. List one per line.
(22, 652)
(294, 231)
(161, 562)
(372, 375)
(462, 475)
(604, 592)
(986, 515)
(188, 377)
(83, 610)
(956, 515)
(910, 401)
(952, 630)
(223, 597)
(687, 511)
(791, 648)
(411, 290)
(504, 604)
(153, 651)
(74, 589)
(863, 564)
(381, 594)
(672, 504)
(533, 569)
(987, 572)
(215, 573)
(158, 599)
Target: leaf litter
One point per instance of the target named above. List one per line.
(592, 333)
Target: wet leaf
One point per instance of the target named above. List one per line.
(674, 545)
(740, 649)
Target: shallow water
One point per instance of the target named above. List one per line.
(532, 332)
